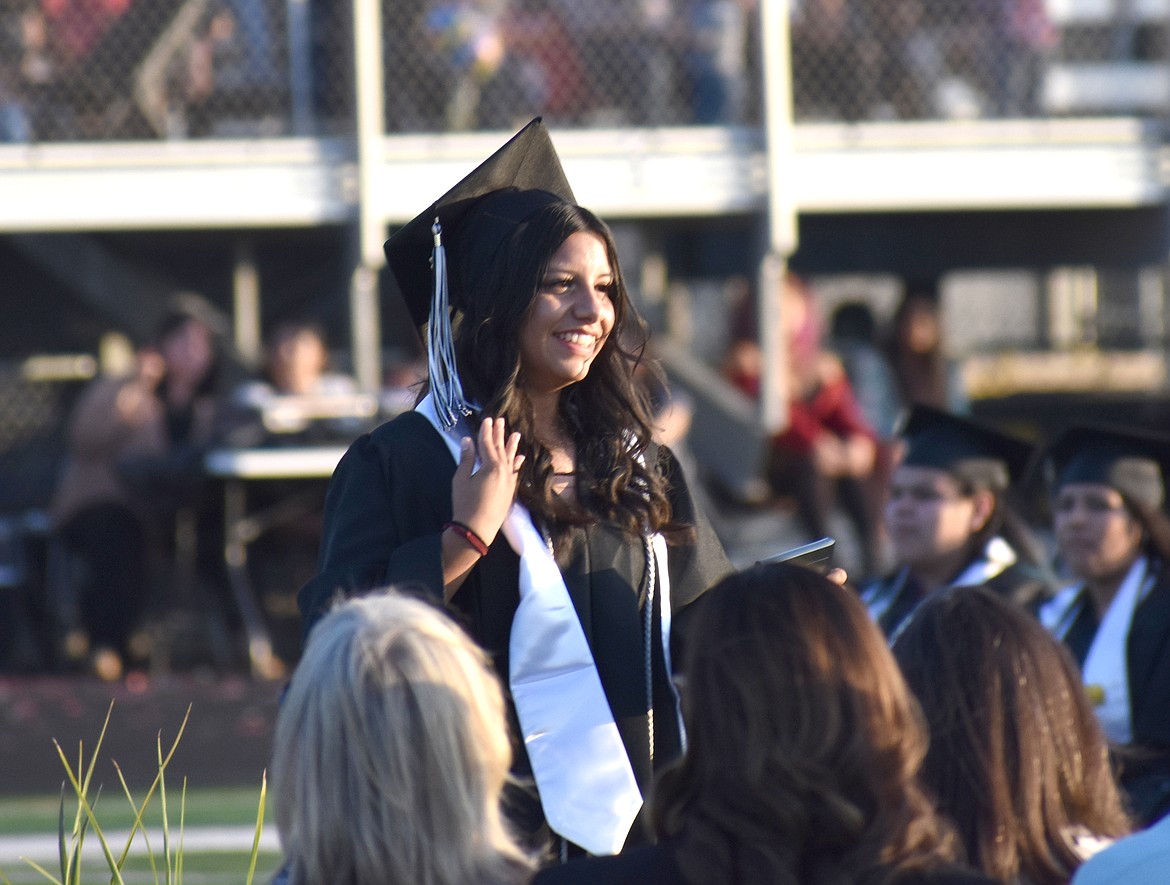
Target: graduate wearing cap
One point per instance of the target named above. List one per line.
(948, 519)
(1108, 497)
(524, 491)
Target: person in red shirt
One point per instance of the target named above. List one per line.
(826, 454)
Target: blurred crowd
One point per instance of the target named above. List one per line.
(109, 69)
(132, 69)
(134, 529)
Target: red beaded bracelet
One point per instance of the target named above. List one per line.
(468, 535)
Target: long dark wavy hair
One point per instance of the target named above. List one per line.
(1017, 759)
(804, 743)
(606, 413)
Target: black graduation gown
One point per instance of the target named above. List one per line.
(658, 865)
(1145, 772)
(1021, 583)
(384, 511)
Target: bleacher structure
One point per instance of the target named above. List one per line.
(329, 123)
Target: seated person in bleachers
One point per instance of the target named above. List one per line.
(827, 452)
(391, 753)
(298, 402)
(299, 399)
(133, 459)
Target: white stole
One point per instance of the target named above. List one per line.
(997, 556)
(586, 784)
(1106, 669)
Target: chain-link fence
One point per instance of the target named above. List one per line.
(130, 69)
(915, 59)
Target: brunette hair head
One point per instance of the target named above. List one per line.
(804, 743)
(1017, 759)
(606, 413)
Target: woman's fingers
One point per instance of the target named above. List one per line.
(466, 456)
(497, 446)
(511, 456)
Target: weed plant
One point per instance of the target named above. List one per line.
(166, 863)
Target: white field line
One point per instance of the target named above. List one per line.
(41, 847)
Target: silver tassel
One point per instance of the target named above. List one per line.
(446, 388)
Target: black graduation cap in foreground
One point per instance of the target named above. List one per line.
(477, 215)
(1131, 460)
(935, 438)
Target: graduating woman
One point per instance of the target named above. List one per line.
(949, 520)
(1108, 493)
(525, 491)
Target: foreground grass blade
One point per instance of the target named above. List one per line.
(259, 828)
(115, 867)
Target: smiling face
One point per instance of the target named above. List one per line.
(1098, 536)
(571, 316)
(929, 516)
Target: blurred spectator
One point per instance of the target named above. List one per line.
(804, 747)
(925, 374)
(14, 122)
(828, 449)
(391, 753)
(78, 25)
(902, 54)
(300, 398)
(488, 83)
(552, 71)
(1016, 759)
(631, 52)
(216, 65)
(835, 62)
(134, 458)
(1000, 47)
(28, 66)
(853, 336)
(717, 47)
(299, 402)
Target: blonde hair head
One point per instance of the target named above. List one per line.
(391, 751)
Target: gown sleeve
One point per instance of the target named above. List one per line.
(384, 511)
(697, 563)
(700, 562)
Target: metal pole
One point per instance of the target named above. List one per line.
(364, 322)
(246, 302)
(781, 209)
(300, 65)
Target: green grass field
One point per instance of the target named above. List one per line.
(27, 821)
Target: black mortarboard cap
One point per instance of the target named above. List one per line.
(973, 452)
(477, 215)
(1131, 460)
